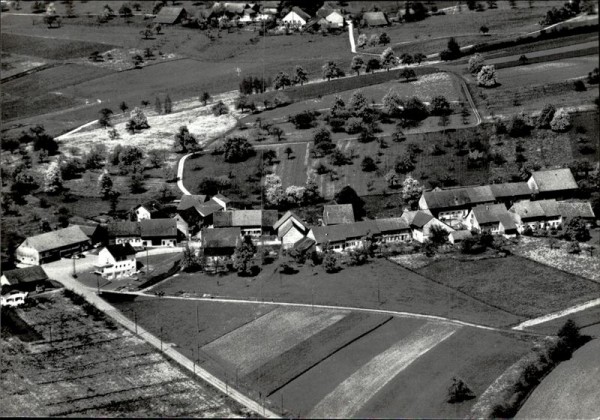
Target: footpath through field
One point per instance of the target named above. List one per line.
(556, 315)
(223, 386)
(330, 307)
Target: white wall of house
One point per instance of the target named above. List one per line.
(396, 237)
(111, 268)
(252, 231)
(291, 237)
(453, 214)
(292, 18)
(27, 255)
(134, 241)
(335, 19)
(141, 213)
(220, 203)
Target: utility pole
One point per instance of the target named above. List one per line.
(193, 361)
(147, 263)
(197, 317)
(135, 320)
(160, 336)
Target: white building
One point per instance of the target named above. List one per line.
(296, 17)
(335, 19)
(290, 229)
(115, 261)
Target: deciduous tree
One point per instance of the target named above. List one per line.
(357, 64)
(243, 256)
(53, 182)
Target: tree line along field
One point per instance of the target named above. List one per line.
(63, 359)
(306, 362)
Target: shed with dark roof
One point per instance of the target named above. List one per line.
(220, 242)
(24, 279)
(170, 15)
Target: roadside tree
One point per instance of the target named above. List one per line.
(408, 74)
(388, 59)
(205, 97)
(331, 71)
(357, 64)
(372, 65)
(300, 75)
(487, 76)
(184, 140)
(419, 57)
(475, 63)
(282, 80)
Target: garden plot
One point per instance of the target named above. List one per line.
(349, 396)
(255, 343)
(84, 365)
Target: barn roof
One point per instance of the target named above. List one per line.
(188, 201)
(158, 228)
(375, 18)
(554, 180)
(460, 235)
(123, 228)
(25, 275)
(221, 237)
(169, 15)
(334, 214)
(510, 189)
(245, 218)
(71, 235)
(535, 209)
(342, 232)
(392, 224)
(570, 210)
(301, 13)
(285, 217)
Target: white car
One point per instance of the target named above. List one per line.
(14, 298)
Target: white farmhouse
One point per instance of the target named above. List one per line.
(335, 19)
(115, 261)
(296, 17)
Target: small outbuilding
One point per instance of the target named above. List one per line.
(24, 279)
(458, 236)
(170, 15)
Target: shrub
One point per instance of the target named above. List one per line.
(237, 149)
(459, 391)
(337, 125)
(415, 109)
(561, 121)
(368, 164)
(475, 63)
(518, 127)
(546, 116)
(579, 86)
(219, 108)
(330, 263)
(487, 76)
(354, 125)
(304, 120)
(440, 106)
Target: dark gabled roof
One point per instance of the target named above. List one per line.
(488, 213)
(375, 18)
(304, 244)
(71, 235)
(510, 189)
(88, 230)
(158, 228)
(301, 13)
(420, 219)
(570, 210)
(188, 201)
(392, 224)
(342, 232)
(25, 275)
(121, 251)
(208, 208)
(536, 209)
(335, 214)
(285, 217)
(458, 197)
(123, 228)
(169, 15)
(294, 224)
(554, 180)
(189, 215)
(221, 237)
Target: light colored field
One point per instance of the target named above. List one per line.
(349, 396)
(199, 120)
(570, 391)
(538, 249)
(549, 72)
(255, 343)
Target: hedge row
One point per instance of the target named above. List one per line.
(315, 90)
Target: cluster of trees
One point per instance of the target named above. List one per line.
(452, 52)
(283, 79)
(165, 107)
(374, 39)
(570, 9)
(292, 196)
(254, 84)
(236, 149)
(137, 121)
(185, 141)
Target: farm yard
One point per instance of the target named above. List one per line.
(61, 359)
(307, 362)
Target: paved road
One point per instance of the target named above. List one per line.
(62, 270)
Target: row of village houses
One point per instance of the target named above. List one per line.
(328, 16)
(503, 209)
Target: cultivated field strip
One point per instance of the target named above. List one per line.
(110, 373)
(253, 344)
(354, 392)
(282, 369)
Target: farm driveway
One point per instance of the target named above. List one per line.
(349, 396)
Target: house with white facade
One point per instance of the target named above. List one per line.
(159, 232)
(421, 222)
(255, 223)
(116, 261)
(296, 17)
(492, 218)
(393, 230)
(125, 232)
(343, 237)
(453, 205)
(290, 229)
(335, 19)
(541, 214)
